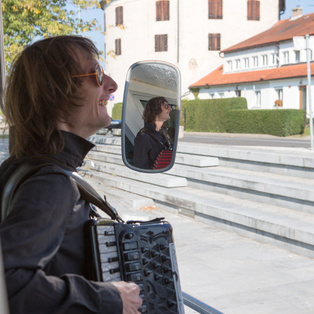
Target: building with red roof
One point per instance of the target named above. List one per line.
(267, 69)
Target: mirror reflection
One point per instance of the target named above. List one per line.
(150, 116)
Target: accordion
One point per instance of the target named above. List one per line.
(142, 252)
(163, 159)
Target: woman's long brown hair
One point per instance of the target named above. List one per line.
(40, 90)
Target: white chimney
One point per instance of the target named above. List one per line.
(297, 11)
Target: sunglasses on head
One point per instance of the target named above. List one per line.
(99, 73)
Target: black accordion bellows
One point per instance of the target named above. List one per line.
(142, 252)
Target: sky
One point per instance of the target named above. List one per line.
(98, 37)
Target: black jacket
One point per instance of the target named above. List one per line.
(43, 242)
(148, 144)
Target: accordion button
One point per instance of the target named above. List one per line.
(143, 309)
(154, 253)
(129, 236)
(164, 258)
(165, 270)
(110, 244)
(147, 272)
(129, 246)
(135, 277)
(134, 266)
(156, 265)
(132, 256)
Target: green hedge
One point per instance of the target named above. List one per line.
(279, 122)
(117, 111)
(209, 115)
(230, 115)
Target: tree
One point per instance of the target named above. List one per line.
(25, 20)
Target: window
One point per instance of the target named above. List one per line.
(215, 9)
(238, 92)
(161, 43)
(162, 10)
(258, 99)
(274, 58)
(265, 60)
(237, 64)
(253, 10)
(279, 93)
(229, 65)
(255, 62)
(118, 47)
(119, 16)
(297, 56)
(285, 57)
(221, 95)
(246, 63)
(214, 41)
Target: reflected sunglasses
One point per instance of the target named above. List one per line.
(99, 73)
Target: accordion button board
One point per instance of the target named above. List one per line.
(143, 253)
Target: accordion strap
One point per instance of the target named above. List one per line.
(168, 146)
(30, 167)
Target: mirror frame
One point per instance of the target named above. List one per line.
(178, 111)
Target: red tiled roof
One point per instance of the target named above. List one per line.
(281, 31)
(218, 78)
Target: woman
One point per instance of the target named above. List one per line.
(55, 99)
(153, 138)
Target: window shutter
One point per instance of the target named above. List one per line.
(166, 10)
(158, 10)
(161, 43)
(119, 15)
(118, 47)
(218, 41)
(215, 9)
(165, 42)
(162, 10)
(253, 10)
(210, 9)
(214, 41)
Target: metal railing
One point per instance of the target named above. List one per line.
(197, 305)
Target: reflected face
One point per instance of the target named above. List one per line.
(165, 113)
(91, 115)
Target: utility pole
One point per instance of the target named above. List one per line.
(2, 64)
(307, 38)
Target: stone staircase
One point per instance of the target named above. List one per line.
(262, 193)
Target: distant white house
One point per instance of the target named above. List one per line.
(188, 33)
(268, 68)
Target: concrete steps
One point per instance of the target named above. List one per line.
(250, 191)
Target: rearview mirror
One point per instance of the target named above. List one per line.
(152, 92)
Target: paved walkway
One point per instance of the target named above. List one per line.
(231, 273)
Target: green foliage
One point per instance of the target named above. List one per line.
(25, 20)
(210, 115)
(117, 111)
(283, 122)
(230, 115)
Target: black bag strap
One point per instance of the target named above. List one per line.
(31, 166)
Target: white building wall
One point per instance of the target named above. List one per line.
(279, 50)
(187, 36)
(290, 88)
